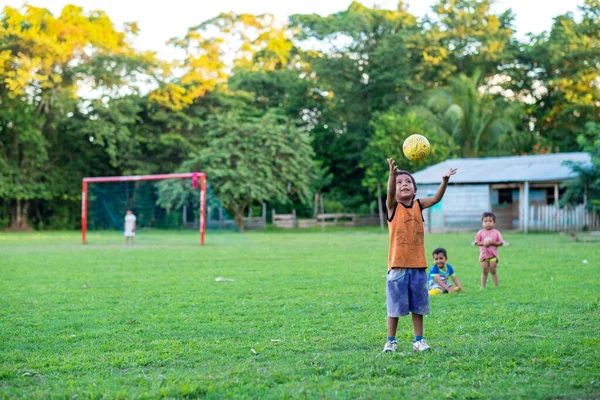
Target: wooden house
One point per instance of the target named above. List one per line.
(523, 192)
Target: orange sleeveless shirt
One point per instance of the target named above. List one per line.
(407, 244)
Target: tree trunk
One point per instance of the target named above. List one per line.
(380, 206)
(239, 219)
(18, 217)
(239, 216)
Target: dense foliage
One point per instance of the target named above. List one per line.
(280, 112)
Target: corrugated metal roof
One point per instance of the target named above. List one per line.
(532, 168)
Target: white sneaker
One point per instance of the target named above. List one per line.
(390, 346)
(421, 345)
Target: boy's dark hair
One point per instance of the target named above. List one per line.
(490, 215)
(402, 172)
(440, 250)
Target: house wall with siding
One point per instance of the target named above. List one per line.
(460, 208)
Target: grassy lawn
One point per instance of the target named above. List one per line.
(303, 318)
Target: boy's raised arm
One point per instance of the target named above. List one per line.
(391, 186)
(433, 200)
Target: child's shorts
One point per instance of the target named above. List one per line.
(491, 259)
(407, 292)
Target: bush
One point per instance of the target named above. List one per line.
(333, 206)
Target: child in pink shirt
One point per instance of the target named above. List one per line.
(488, 239)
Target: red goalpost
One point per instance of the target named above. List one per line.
(198, 179)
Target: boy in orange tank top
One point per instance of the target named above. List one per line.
(406, 290)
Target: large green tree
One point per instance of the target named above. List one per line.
(355, 82)
(481, 124)
(364, 66)
(463, 36)
(251, 159)
(373, 60)
(43, 61)
(558, 73)
(586, 187)
(391, 128)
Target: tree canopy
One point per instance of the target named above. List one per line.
(277, 111)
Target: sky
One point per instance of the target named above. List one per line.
(171, 18)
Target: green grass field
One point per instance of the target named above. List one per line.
(303, 318)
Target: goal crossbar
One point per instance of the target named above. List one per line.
(197, 178)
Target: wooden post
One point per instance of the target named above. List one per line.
(316, 206)
(322, 198)
(380, 206)
(84, 204)
(221, 218)
(264, 214)
(202, 227)
(526, 207)
(184, 216)
(322, 211)
(556, 207)
(521, 207)
(293, 218)
(273, 217)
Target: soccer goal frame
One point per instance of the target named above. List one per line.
(196, 177)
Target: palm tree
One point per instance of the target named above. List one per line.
(480, 123)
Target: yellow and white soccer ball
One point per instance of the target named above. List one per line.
(416, 147)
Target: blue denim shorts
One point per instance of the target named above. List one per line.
(407, 292)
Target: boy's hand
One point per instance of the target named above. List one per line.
(448, 174)
(393, 167)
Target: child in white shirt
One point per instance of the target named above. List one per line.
(129, 230)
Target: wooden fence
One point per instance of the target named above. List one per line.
(339, 219)
(216, 219)
(290, 221)
(287, 221)
(541, 218)
(548, 218)
(250, 222)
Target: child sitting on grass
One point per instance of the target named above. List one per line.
(439, 274)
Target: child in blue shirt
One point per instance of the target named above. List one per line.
(439, 274)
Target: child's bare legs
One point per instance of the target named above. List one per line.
(392, 326)
(485, 270)
(417, 320)
(493, 272)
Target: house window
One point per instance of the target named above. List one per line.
(505, 196)
(502, 196)
(550, 194)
